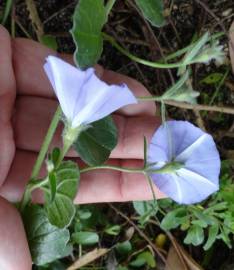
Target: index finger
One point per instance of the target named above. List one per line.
(29, 57)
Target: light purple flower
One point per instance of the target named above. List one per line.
(83, 97)
(182, 142)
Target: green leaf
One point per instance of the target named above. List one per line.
(143, 258)
(212, 78)
(181, 91)
(49, 41)
(173, 219)
(152, 11)
(52, 184)
(113, 230)
(47, 243)
(148, 257)
(195, 235)
(138, 262)
(85, 238)
(83, 214)
(7, 10)
(55, 156)
(124, 248)
(120, 267)
(62, 210)
(145, 209)
(212, 234)
(88, 21)
(95, 144)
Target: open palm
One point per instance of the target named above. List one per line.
(27, 104)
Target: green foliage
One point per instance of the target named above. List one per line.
(181, 91)
(46, 242)
(88, 21)
(124, 248)
(208, 223)
(145, 209)
(95, 144)
(49, 41)
(56, 265)
(113, 230)
(143, 258)
(195, 235)
(85, 238)
(7, 10)
(174, 218)
(59, 207)
(152, 11)
(212, 78)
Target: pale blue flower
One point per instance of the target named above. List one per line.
(83, 97)
(197, 175)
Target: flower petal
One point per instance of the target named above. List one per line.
(100, 99)
(67, 82)
(184, 186)
(203, 158)
(197, 151)
(83, 97)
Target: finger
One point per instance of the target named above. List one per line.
(95, 186)
(29, 58)
(33, 116)
(7, 97)
(14, 251)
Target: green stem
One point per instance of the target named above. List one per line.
(114, 168)
(155, 64)
(137, 59)
(109, 6)
(151, 187)
(29, 189)
(168, 168)
(37, 166)
(150, 98)
(46, 143)
(187, 48)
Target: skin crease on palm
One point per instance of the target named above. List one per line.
(27, 104)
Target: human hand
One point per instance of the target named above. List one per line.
(32, 112)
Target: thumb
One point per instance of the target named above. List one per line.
(14, 251)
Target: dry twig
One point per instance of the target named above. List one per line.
(141, 233)
(36, 22)
(199, 107)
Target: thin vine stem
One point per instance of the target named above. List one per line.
(46, 143)
(137, 59)
(114, 168)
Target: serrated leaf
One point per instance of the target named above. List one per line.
(85, 238)
(95, 144)
(62, 210)
(212, 234)
(88, 21)
(195, 235)
(46, 242)
(152, 11)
